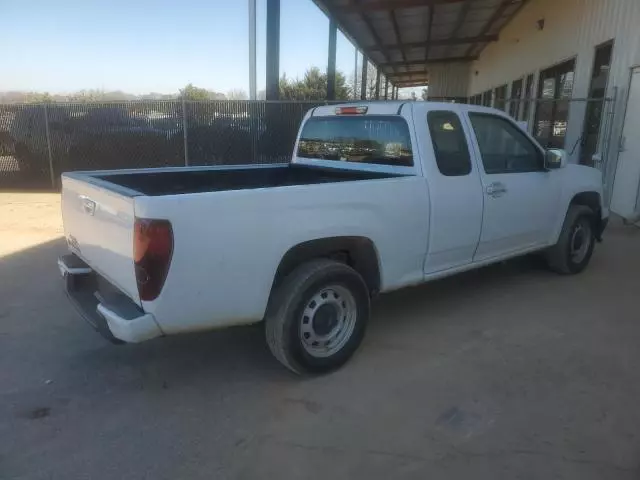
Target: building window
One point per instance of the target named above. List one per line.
(487, 98)
(528, 99)
(449, 143)
(516, 94)
(500, 101)
(552, 113)
(596, 102)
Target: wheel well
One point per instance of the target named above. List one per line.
(357, 252)
(591, 200)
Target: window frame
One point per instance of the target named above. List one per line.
(538, 148)
(464, 139)
(582, 158)
(515, 102)
(554, 72)
(529, 100)
(500, 103)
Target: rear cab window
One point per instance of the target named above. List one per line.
(365, 139)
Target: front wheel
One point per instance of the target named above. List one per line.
(574, 249)
(317, 316)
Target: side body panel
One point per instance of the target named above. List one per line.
(455, 201)
(228, 245)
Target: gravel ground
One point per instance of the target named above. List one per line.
(507, 372)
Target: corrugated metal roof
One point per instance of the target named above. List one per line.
(403, 37)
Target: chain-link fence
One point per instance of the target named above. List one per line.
(40, 141)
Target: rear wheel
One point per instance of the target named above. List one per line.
(317, 316)
(574, 249)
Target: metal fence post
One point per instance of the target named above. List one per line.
(46, 131)
(184, 132)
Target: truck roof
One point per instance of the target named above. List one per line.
(373, 107)
(393, 107)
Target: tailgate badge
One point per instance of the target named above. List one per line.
(88, 206)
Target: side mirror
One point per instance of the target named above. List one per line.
(555, 158)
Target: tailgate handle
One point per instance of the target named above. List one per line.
(88, 205)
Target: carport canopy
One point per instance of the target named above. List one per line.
(403, 38)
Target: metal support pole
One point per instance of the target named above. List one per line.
(355, 76)
(273, 50)
(49, 152)
(331, 61)
(386, 88)
(377, 84)
(363, 85)
(185, 139)
(252, 50)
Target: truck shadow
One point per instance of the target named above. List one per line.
(40, 330)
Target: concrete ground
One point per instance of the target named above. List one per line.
(508, 372)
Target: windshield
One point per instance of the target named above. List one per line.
(382, 140)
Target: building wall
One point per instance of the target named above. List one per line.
(449, 80)
(572, 29)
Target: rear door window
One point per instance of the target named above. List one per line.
(373, 139)
(449, 143)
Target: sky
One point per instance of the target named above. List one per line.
(142, 46)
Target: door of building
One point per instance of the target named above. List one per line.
(596, 103)
(552, 113)
(624, 200)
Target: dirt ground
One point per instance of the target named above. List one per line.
(28, 219)
(507, 372)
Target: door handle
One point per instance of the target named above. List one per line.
(496, 189)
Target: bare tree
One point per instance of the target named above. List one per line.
(370, 88)
(237, 94)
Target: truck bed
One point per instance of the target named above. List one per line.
(179, 181)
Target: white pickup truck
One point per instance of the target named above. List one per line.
(377, 196)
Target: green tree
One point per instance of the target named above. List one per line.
(190, 92)
(312, 86)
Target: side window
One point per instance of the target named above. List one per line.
(503, 147)
(449, 143)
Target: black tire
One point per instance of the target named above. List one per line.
(559, 257)
(285, 315)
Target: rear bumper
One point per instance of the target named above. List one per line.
(114, 315)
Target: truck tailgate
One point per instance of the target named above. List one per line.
(99, 227)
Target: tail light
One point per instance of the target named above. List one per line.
(152, 250)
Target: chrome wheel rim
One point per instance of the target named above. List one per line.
(327, 321)
(580, 241)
